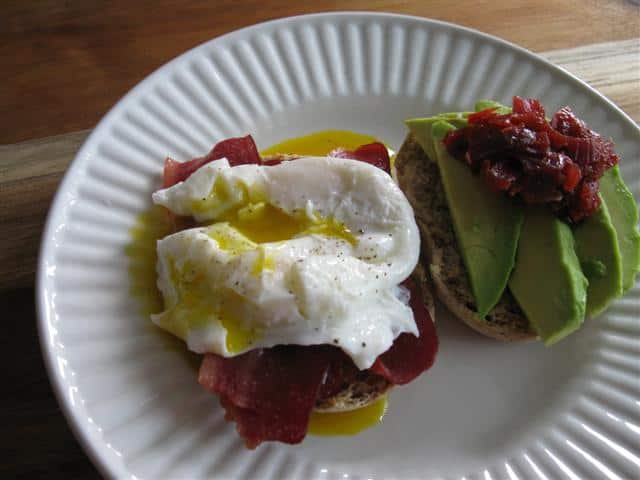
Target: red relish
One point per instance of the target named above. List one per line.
(558, 163)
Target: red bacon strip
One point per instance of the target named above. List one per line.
(243, 150)
(374, 153)
(269, 393)
(239, 151)
(409, 355)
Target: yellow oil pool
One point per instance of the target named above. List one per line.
(348, 423)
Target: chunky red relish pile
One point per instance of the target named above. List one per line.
(557, 163)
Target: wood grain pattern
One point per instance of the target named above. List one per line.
(30, 171)
(29, 175)
(612, 68)
(65, 63)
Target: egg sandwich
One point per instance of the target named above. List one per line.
(298, 281)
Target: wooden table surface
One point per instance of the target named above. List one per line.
(64, 63)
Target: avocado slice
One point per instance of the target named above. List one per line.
(547, 280)
(624, 218)
(421, 128)
(487, 225)
(597, 249)
(484, 104)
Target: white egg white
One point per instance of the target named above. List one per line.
(226, 293)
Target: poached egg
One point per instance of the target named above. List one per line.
(310, 251)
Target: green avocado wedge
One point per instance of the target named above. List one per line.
(547, 280)
(624, 218)
(484, 104)
(596, 244)
(421, 128)
(487, 225)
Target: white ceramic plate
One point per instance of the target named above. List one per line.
(486, 410)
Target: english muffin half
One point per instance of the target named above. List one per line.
(419, 179)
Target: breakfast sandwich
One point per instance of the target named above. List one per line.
(297, 278)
